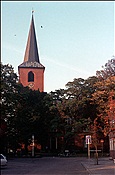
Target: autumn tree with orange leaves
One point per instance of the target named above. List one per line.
(105, 90)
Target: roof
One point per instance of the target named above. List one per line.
(32, 65)
(31, 57)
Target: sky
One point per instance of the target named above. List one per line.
(76, 40)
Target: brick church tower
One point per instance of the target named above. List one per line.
(31, 71)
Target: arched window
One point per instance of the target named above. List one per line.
(30, 77)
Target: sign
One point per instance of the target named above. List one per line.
(88, 139)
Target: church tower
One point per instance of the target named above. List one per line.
(31, 71)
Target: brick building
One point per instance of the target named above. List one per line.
(112, 125)
(31, 71)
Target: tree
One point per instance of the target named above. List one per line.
(108, 70)
(104, 87)
(8, 88)
(101, 98)
(74, 108)
(32, 116)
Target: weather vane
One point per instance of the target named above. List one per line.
(32, 11)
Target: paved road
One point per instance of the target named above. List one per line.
(45, 166)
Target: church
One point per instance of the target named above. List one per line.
(31, 71)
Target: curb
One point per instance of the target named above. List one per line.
(87, 169)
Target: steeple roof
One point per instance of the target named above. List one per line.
(31, 53)
(31, 57)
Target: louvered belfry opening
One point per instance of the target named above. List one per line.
(30, 77)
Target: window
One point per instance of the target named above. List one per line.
(113, 97)
(30, 77)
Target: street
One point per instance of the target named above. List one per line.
(45, 166)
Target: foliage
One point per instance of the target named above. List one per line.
(83, 106)
(108, 70)
(105, 86)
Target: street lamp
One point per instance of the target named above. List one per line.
(88, 142)
(102, 141)
(32, 145)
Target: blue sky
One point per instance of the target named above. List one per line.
(76, 40)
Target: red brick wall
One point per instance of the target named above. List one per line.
(111, 115)
(38, 78)
(112, 144)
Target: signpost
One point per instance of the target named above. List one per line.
(88, 142)
(32, 145)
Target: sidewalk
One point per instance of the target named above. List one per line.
(105, 166)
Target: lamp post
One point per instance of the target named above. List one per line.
(88, 142)
(32, 145)
(102, 141)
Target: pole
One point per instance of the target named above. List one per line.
(102, 148)
(50, 143)
(88, 150)
(88, 142)
(32, 145)
(56, 140)
(56, 143)
(102, 141)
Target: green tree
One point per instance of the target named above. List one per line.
(31, 117)
(8, 88)
(74, 108)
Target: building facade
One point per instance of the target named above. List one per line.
(31, 71)
(112, 125)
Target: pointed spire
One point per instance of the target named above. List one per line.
(31, 53)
